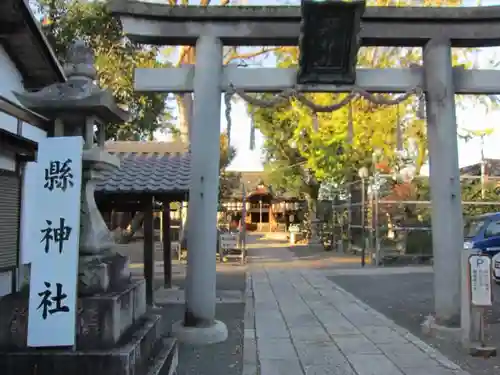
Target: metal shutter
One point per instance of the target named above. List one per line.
(9, 218)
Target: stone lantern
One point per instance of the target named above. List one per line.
(78, 107)
(114, 331)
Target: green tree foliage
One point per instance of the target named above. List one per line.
(229, 181)
(64, 21)
(285, 166)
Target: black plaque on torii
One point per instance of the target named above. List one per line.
(329, 41)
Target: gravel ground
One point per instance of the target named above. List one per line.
(226, 279)
(408, 299)
(220, 359)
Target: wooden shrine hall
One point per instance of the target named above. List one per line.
(266, 210)
(151, 176)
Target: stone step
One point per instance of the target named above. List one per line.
(166, 358)
(132, 356)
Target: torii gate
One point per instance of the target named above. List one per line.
(434, 29)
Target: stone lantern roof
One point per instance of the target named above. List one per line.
(79, 96)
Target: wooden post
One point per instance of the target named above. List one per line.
(167, 245)
(149, 250)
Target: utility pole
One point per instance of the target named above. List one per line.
(482, 166)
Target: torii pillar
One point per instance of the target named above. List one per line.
(446, 207)
(199, 325)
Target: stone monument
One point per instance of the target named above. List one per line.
(114, 332)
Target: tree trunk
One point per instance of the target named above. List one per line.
(136, 223)
(312, 194)
(185, 104)
(312, 206)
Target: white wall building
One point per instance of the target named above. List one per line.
(26, 63)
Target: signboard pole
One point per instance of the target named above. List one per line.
(476, 296)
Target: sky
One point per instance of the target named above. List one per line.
(470, 116)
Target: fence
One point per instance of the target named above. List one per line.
(392, 219)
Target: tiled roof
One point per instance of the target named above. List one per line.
(492, 168)
(147, 172)
(146, 147)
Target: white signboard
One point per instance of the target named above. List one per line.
(480, 280)
(228, 241)
(54, 261)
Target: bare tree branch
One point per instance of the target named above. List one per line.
(250, 55)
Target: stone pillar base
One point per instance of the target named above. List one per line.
(213, 334)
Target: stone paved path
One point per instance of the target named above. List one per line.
(298, 322)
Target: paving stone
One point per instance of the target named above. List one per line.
(356, 344)
(270, 300)
(249, 350)
(293, 305)
(429, 369)
(319, 353)
(365, 319)
(382, 335)
(319, 307)
(303, 288)
(312, 297)
(310, 333)
(303, 319)
(284, 295)
(280, 367)
(261, 285)
(373, 364)
(269, 306)
(261, 296)
(249, 369)
(405, 355)
(350, 308)
(266, 307)
(249, 334)
(341, 329)
(268, 315)
(270, 348)
(344, 369)
(270, 329)
(337, 324)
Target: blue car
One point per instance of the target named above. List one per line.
(483, 233)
